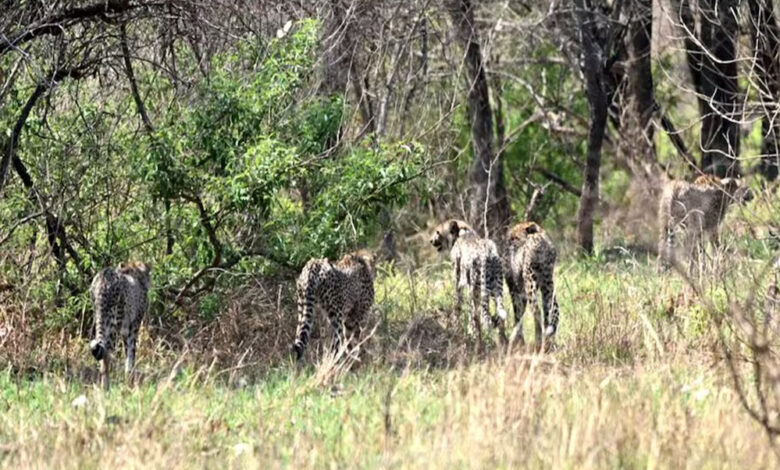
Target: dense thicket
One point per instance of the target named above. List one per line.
(219, 140)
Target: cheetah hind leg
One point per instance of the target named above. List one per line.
(476, 321)
(130, 346)
(129, 341)
(531, 292)
(105, 364)
(339, 333)
(519, 301)
(354, 332)
(551, 312)
(538, 320)
(499, 320)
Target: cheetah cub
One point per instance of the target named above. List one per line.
(476, 266)
(344, 289)
(120, 299)
(532, 258)
(696, 209)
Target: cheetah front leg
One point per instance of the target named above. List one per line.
(666, 248)
(713, 239)
(458, 290)
(696, 254)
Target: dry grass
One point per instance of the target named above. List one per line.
(636, 381)
(523, 411)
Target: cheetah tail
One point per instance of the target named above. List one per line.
(305, 317)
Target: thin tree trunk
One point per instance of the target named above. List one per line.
(139, 104)
(489, 208)
(714, 75)
(766, 43)
(720, 135)
(336, 57)
(55, 229)
(640, 78)
(593, 62)
(337, 44)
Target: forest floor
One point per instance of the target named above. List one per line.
(635, 381)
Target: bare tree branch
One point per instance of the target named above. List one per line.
(56, 23)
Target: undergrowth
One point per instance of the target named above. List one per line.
(634, 381)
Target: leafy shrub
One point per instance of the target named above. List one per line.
(247, 162)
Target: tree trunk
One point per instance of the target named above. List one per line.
(766, 43)
(640, 79)
(714, 74)
(636, 147)
(593, 62)
(148, 127)
(489, 210)
(337, 49)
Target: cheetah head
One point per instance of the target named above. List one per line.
(737, 190)
(139, 270)
(445, 234)
(734, 188)
(361, 257)
(518, 233)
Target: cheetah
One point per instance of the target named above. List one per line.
(697, 208)
(476, 266)
(531, 262)
(120, 299)
(344, 289)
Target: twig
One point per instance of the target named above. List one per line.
(558, 180)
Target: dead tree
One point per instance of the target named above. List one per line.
(711, 58)
(765, 36)
(593, 63)
(639, 90)
(489, 208)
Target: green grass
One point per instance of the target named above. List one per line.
(519, 412)
(635, 382)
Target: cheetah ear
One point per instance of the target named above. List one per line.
(454, 227)
(122, 265)
(731, 184)
(531, 228)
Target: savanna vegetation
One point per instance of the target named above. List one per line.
(226, 143)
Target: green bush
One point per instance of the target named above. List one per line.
(249, 153)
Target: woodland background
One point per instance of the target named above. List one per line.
(227, 142)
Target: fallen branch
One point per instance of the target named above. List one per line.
(227, 264)
(558, 180)
(17, 224)
(535, 197)
(674, 136)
